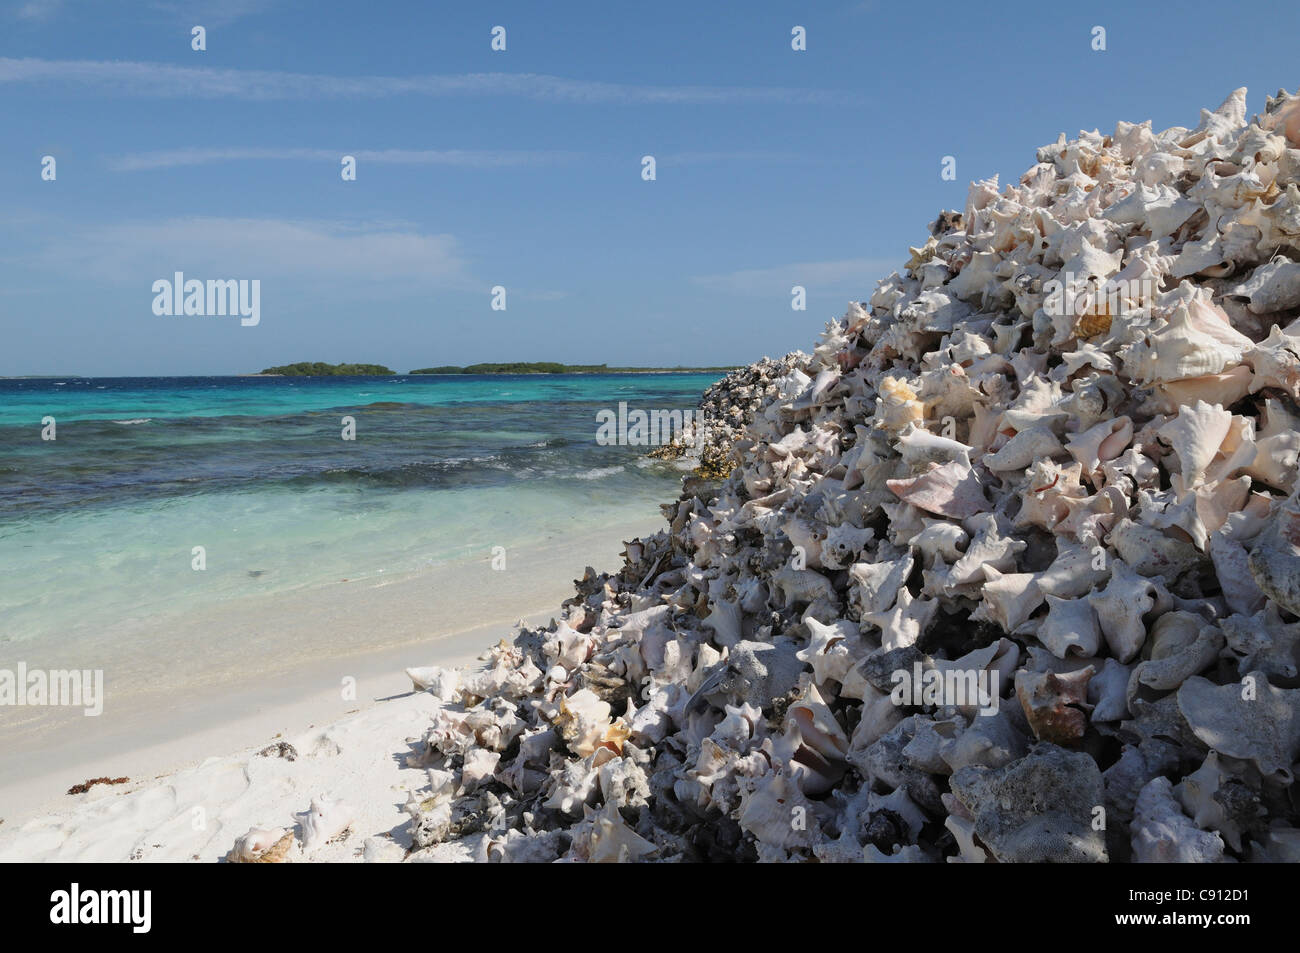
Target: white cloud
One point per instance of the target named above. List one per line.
(162, 80)
(257, 248)
(858, 275)
(38, 10)
(464, 158)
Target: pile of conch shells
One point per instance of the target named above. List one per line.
(1056, 455)
(725, 411)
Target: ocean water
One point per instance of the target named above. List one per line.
(98, 527)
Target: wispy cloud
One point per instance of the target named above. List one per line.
(162, 80)
(460, 158)
(37, 10)
(256, 248)
(855, 274)
(463, 158)
(206, 12)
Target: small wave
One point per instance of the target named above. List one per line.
(134, 420)
(599, 473)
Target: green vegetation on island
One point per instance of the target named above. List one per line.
(319, 369)
(551, 367)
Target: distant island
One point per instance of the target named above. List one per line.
(550, 367)
(319, 369)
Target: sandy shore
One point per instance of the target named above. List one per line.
(182, 803)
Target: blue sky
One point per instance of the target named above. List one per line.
(522, 168)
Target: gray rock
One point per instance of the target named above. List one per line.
(1040, 809)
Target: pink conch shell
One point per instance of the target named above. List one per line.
(952, 489)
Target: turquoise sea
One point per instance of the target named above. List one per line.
(98, 527)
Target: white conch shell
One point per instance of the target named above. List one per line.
(876, 585)
(990, 549)
(726, 622)
(325, 820)
(1162, 833)
(479, 766)
(1074, 571)
(1009, 600)
(906, 622)
(919, 448)
(766, 810)
(583, 721)
(1277, 446)
(1196, 435)
(898, 406)
(1182, 644)
(814, 747)
(1070, 626)
(1108, 691)
(1023, 449)
(1196, 792)
(1232, 566)
(842, 545)
(1223, 389)
(1120, 608)
(610, 840)
(1276, 361)
(1101, 443)
(1272, 287)
(1185, 347)
(567, 646)
(829, 649)
(963, 832)
(817, 726)
(940, 540)
(441, 682)
(261, 845)
(1275, 560)
(879, 716)
(1283, 116)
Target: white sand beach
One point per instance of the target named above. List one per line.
(190, 744)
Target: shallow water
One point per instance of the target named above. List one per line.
(98, 528)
